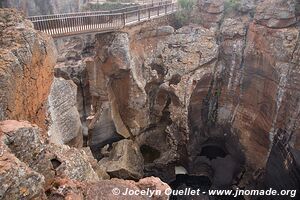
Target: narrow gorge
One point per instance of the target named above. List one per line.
(212, 104)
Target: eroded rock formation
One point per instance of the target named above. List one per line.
(228, 84)
(30, 166)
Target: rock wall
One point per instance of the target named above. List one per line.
(27, 59)
(255, 79)
(282, 169)
(42, 7)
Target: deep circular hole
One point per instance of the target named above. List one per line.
(213, 152)
(149, 154)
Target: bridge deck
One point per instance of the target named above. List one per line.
(61, 25)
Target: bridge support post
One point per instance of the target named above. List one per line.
(124, 19)
(166, 8)
(139, 15)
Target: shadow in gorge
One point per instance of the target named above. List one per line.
(218, 161)
(203, 183)
(185, 181)
(212, 152)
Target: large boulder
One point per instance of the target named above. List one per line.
(124, 161)
(65, 125)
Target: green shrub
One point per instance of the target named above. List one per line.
(105, 6)
(183, 16)
(231, 5)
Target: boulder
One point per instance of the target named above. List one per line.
(100, 171)
(65, 125)
(124, 161)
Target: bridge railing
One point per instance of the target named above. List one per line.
(121, 10)
(148, 13)
(78, 23)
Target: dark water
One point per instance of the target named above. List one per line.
(212, 152)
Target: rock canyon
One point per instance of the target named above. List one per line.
(213, 104)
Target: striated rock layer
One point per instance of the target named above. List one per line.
(65, 125)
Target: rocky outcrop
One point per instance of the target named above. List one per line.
(25, 141)
(27, 59)
(65, 125)
(285, 15)
(34, 166)
(210, 12)
(218, 99)
(99, 169)
(17, 179)
(31, 168)
(40, 7)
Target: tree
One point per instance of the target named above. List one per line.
(183, 16)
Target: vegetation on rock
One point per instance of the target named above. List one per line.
(105, 6)
(231, 5)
